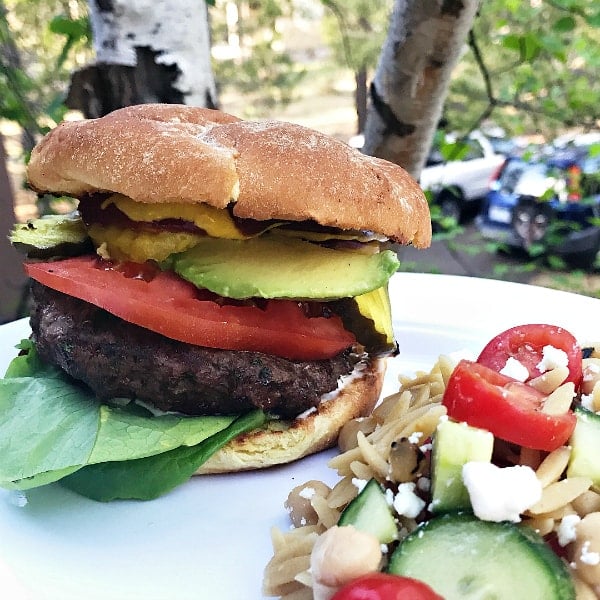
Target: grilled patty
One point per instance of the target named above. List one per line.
(116, 359)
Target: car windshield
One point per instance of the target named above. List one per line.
(522, 178)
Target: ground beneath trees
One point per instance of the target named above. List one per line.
(468, 254)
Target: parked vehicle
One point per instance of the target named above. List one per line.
(505, 146)
(551, 204)
(458, 186)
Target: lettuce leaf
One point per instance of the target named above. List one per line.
(126, 435)
(45, 427)
(151, 477)
(51, 428)
(29, 364)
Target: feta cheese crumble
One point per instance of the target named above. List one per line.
(406, 502)
(567, 529)
(551, 358)
(415, 437)
(500, 494)
(588, 557)
(515, 369)
(359, 484)
(587, 401)
(307, 493)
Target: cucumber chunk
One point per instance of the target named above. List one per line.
(585, 446)
(370, 512)
(454, 445)
(464, 558)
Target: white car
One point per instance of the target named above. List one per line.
(458, 185)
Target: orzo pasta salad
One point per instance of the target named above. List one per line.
(477, 479)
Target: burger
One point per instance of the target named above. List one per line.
(218, 301)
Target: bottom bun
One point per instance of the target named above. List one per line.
(286, 441)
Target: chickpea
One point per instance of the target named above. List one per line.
(586, 549)
(340, 555)
(591, 374)
(583, 591)
(299, 504)
(587, 502)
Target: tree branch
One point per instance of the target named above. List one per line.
(494, 102)
(572, 10)
(338, 13)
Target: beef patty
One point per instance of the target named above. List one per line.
(117, 359)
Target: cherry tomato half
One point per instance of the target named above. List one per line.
(382, 586)
(525, 343)
(509, 409)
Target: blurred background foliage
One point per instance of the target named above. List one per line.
(531, 66)
(41, 42)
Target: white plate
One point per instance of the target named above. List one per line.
(210, 537)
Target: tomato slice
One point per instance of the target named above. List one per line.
(383, 586)
(509, 409)
(165, 303)
(525, 343)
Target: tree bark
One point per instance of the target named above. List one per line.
(408, 90)
(146, 51)
(12, 277)
(361, 99)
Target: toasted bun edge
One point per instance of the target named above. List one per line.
(318, 431)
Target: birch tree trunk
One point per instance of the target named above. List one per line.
(146, 51)
(424, 43)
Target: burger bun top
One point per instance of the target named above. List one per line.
(157, 153)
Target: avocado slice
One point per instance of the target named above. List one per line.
(277, 267)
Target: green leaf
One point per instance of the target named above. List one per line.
(564, 24)
(456, 150)
(27, 363)
(149, 478)
(530, 46)
(125, 434)
(554, 45)
(556, 262)
(51, 428)
(45, 427)
(527, 45)
(511, 41)
(594, 150)
(57, 109)
(594, 20)
(72, 28)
